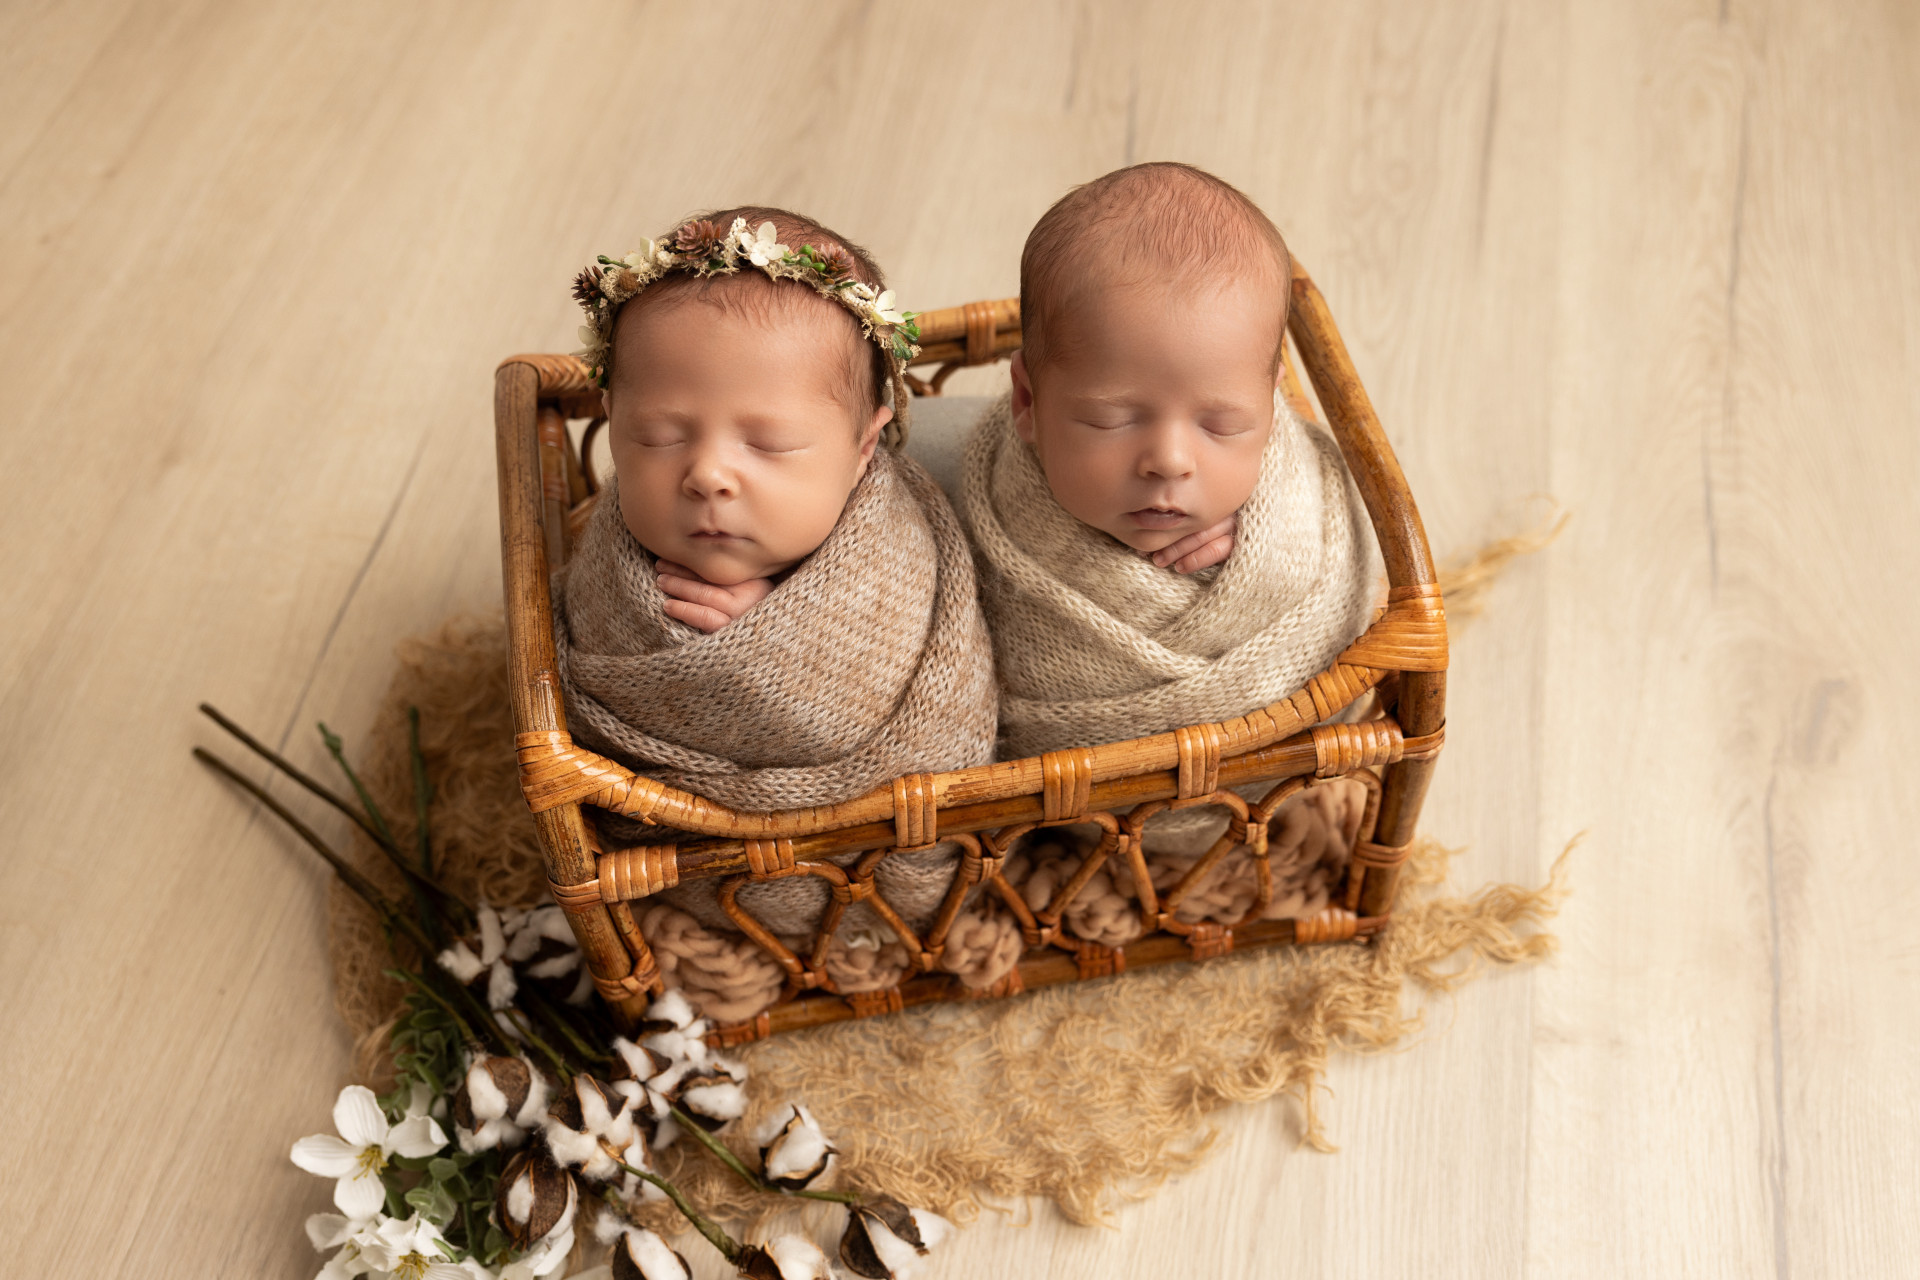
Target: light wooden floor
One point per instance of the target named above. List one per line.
(1660, 260)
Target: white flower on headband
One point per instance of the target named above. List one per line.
(760, 247)
(884, 308)
(702, 248)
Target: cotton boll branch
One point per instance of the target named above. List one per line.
(429, 918)
(391, 918)
(456, 906)
(725, 1155)
(716, 1234)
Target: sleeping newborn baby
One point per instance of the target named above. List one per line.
(1162, 541)
(769, 605)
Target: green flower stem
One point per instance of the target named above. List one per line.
(405, 976)
(445, 895)
(716, 1234)
(348, 874)
(423, 836)
(556, 1018)
(391, 917)
(725, 1155)
(525, 1025)
(336, 749)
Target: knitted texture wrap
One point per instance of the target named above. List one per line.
(1095, 643)
(869, 661)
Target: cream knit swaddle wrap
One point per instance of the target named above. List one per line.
(1094, 643)
(869, 661)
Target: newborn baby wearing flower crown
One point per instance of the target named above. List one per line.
(1162, 540)
(769, 605)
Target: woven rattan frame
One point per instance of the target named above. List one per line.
(544, 494)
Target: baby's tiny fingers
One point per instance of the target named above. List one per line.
(697, 616)
(1214, 552)
(694, 591)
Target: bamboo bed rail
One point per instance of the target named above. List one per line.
(543, 484)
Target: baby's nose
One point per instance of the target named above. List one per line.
(1169, 454)
(709, 476)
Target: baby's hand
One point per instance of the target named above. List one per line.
(1201, 550)
(703, 606)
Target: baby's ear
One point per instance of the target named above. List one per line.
(1022, 398)
(881, 417)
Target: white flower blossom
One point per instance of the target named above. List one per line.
(883, 306)
(412, 1250)
(334, 1231)
(761, 247)
(366, 1142)
(645, 256)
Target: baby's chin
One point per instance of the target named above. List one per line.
(724, 564)
(1148, 541)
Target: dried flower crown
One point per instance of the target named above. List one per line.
(701, 248)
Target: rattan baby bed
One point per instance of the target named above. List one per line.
(544, 492)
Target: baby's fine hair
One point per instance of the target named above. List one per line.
(750, 293)
(1160, 220)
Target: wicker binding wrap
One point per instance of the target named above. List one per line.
(544, 493)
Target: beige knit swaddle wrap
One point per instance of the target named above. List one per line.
(869, 661)
(1094, 643)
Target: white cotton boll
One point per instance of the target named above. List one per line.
(653, 1257)
(801, 1152)
(671, 1007)
(609, 1226)
(520, 1200)
(554, 966)
(676, 1046)
(551, 924)
(493, 937)
(521, 946)
(486, 1097)
(536, 1104)
(666, 1133)
(460, 961)
(571, 1147)
(502, 986)
(632, 1186)
(933, 1227)
(665, 1082)
(895, 1254)
(724, 1101)
(799, 1258)
(639, 1063)
(774, 1121)
(583, 989)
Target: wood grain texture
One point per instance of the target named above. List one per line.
(1655, 258)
